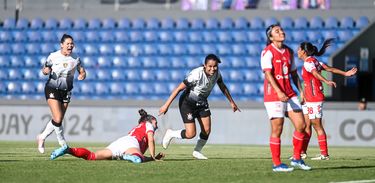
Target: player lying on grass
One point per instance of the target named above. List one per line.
(130, 147)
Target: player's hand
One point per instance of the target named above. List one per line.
(46, 70)
(82, 76)
(235, 107)
(351, 72)
(282, 96)
(159, 157)
(163, 109)
(331, 83)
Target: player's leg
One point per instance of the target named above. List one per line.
(322, 139)
(205, 125)
(48, 129)
(306, 139)
(58, 110)
(134, 155)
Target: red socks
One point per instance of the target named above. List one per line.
(275, 150)
(297, 144)
(82, 153)
(322, 140)
(306, 141)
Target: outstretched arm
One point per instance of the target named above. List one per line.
(321, 78)
(82, 73)
(334, 70)
(225, 91)
(163, 109)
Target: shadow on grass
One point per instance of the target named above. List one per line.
(9, 160)
(344, 167)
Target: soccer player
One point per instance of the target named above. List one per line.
(313, 92)
(193, 103)
(60, 66)
(130, 147)
(280, 99)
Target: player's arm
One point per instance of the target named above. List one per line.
(226, 92)
(334, 70)
(81, 71)
(271, 80)
(163, 109)
(47, 67)
(296, 80)
(151, 144)
(317, 75)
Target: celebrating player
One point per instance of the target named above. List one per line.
(313, 92)
(130, 147)
(193, 103)
(279, 98)
(60, 66)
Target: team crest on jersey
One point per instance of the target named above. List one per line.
(65, 65)
(51, 95)
(189, 116)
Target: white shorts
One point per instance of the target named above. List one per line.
(313, 109)
(122, 144)
(277, 109)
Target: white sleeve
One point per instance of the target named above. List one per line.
(149, 127)
(192, 78)
(309, 66)
(266, 60)
(48, 62)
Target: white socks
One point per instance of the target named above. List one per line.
(200, 144)
(59, 132)
(47, 130)
(176, 134)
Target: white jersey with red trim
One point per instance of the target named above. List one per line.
(313, 86)
(140, 133)
(281, 63)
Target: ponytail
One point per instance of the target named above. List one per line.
(144, 116)
(323, 48)
(312, 50)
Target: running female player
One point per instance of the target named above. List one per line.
(280, 99)
(193, 103)
(60, 66)
(313, 92)
(130, 147)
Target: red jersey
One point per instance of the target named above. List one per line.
(140, 133)
(280, 62)
(313, 86)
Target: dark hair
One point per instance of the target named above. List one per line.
(268, 32)
(212, 57)
(312, 50)
(144, 116)
(64, 37)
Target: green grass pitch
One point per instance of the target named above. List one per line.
(20, 162)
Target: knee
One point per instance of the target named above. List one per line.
(190, 134)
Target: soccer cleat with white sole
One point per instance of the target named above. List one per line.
(282, 168)
(59, 152)
(321, 157)
(199, 155)
(167, 138)
(132, 158)
(300, 164)
(40, 143)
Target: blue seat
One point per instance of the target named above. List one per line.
(33, 48)
(50, 36)
(22, 23)
(226, 23)
(3, 74)
(347, 23)
(301, 23)
(161, 88)
(104, 61)
(235, 88)
(107, 36)
(153, 23)
(209, 36)
(6, 36)
(256, 23)
(316, 22)
(101, 88)
(197, 24)
(208, 48)
(148, 62)
(147, 75)
(195, 36)
(136, 36)
(51, 23)
(254, 49)
(118, 62)
(241, 23)
(20, 36)
(212, 24)
(132, 75)
(18, 48)
(120, 49)
(132, 88)
(270, 21)
(34, 36)
(39, 85)
(194, 49)
(121, 36)
(30, 74)
(108, 23)
(133, 62)
(162, 75)
(239, 49)
(224, 36)
(361, 22)
(314, 36)
(116, 88)
(176, 75)
(117, 74)
(94, 24)
(168, 23)
(181, 36)
(92, 36)
(239, 36)
(4, 61)
(238, 62)
(165, 49)
(4, 49)
(66, 23)
(331, 23)
(28, 88)
(80, 24)
(150, 36)
(224, 49)
(249, 89)
(9, 23)
(254, 36)
(330, 34)
(138, 23)
(235, 75)
(86, 88)
(345, 36)
(106, 49)
(146, 88)
(253, 62)
(89, 61)
(163, 62)
(286, 23)
(165, 36)
(36, 23)
(124, 23)
(331, 49)
(90, 74)
(136, 49)
(299, 36)
(252, 75)
(91, 49)
(182, 23)
(13, 87)
(14, 74)
(103, 74)
(179, 49)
